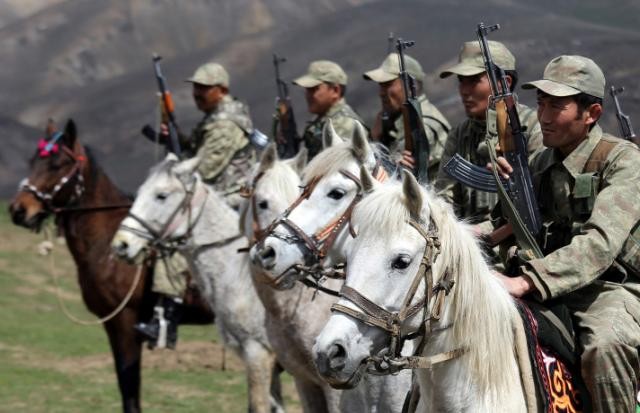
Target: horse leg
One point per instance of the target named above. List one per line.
(313, 397)
(260, 363)
(277, 404)
(127, 352)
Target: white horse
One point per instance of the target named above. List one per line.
(176, 208)
(399, 226)
(337, 166)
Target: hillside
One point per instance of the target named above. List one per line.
(91, 60)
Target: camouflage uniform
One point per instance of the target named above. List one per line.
(592, 259)
(221, 142)
(436, 126)
(343, 118)
(468, 138)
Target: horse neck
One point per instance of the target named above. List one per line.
(481, 314)
(216, 221)
(88, 233)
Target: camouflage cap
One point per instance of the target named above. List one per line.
(210, 74)
(322, 71)
(470, 60)
(570, 75)
(390, 69)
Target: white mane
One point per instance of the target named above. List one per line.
(280, 176)
(334, 158)
(479, 307)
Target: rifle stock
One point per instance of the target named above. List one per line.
(167, 107)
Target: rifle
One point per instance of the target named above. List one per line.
(623, 119)
(415, 137)
(384, 117)
(173, 145)
(286, 136)
(516, 193)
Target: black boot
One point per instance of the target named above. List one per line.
(162, 330)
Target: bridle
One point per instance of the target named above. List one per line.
(257, 232)
(319, 243)
(374, 315)
(161, 239)
(47, 198)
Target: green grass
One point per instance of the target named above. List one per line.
(49, 364)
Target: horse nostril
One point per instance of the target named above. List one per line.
(267, 257)
(336, 356)
(18, 214)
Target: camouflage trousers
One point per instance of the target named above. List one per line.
(607, 321)
(171, 275)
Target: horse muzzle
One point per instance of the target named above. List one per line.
(335, 367)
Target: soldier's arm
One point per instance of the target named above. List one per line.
(222, 140)
(592, 252)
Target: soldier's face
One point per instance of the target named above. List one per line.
(320, 98)
(392, 96)
(563, 125)
(207, 97)
(474, 93)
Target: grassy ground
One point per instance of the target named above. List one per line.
(49, 364)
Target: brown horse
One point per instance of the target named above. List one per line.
(66, 181)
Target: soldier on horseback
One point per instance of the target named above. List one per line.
(222, 142)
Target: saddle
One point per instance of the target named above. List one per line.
(554, 366)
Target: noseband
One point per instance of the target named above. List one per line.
(374, 315)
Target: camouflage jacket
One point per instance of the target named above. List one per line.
(343, 118)
(468, 140)
(221, 141)
(436, 127)
(590, 218)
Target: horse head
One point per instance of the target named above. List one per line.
(166, 206)
(313, 230)
(275, 184)
(56, 177)
(414, 270)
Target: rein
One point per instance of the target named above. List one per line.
(374, 315)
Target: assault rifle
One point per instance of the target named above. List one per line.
(623, 119)
(517, 194)
(384, 117)
(415, 138)
(173, 145)
(284, 123)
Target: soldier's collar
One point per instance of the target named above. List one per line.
(336, 108)
(576, 160)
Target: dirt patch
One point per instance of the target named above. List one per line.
(193, 355)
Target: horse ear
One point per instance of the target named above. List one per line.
(300, 160)
(412, 194)
(268, 158)
(367, 180)
(70, 133)
(171, 157)
(50, 128)
(361, 148)
(329, 135)
(187, 167)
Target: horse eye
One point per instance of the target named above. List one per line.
(401, 262)
(336, 194)
(162, 196)
(264, 204)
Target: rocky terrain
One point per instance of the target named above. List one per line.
(91, 60)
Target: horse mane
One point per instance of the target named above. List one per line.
(334, 158)
(480, 308)
(279, 176)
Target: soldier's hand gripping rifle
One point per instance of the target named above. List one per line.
(168, 115)
(623, 119)
(415, 137)
(284, 123)
(516, 193)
